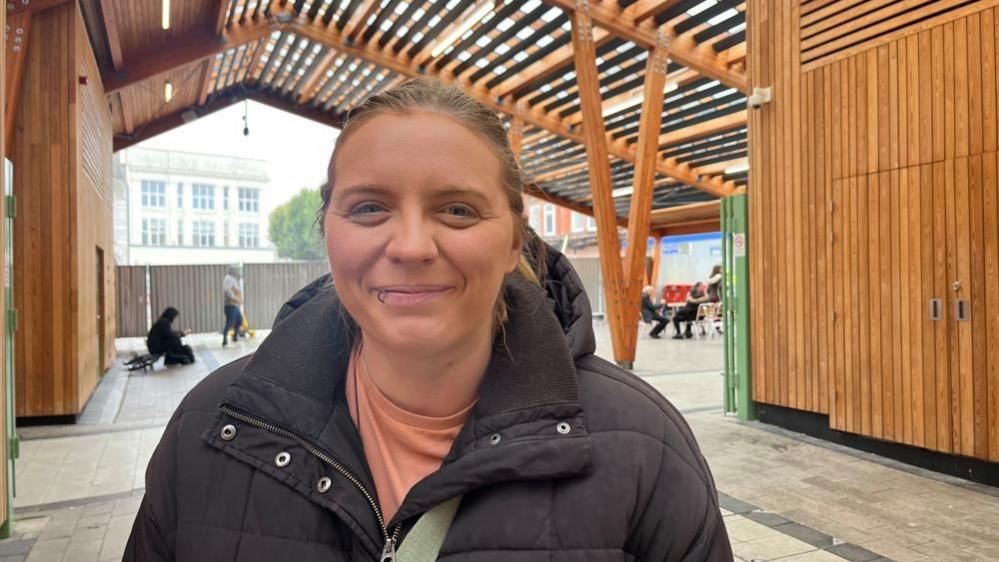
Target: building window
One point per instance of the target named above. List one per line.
(591, 224)
(534, 218)
(154, 232)
(578, 221)
(180, 196)
(153, 193)
(249, 235)
(225, 198)
(203, 196)
(249, 200)
(180, 233)
(549, 218)
(203, 233)
(225, 234)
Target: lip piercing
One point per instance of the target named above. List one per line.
(381, 296)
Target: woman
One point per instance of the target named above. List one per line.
(437, 368)
(164, 340)
(715, 284)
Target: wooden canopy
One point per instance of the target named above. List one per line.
(321, 58)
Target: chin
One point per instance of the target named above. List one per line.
(418, 335)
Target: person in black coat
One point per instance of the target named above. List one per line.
(698, 294)
(163, 339)
(650, 313)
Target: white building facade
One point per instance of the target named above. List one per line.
(186, 208)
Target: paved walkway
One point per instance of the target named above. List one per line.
(784, 496)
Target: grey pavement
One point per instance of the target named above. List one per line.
(784, 496)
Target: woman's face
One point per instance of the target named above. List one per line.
(419, 231)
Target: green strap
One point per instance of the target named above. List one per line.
(424, 541)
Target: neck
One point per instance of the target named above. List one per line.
(434, 383)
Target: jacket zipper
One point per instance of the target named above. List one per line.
(391, 538)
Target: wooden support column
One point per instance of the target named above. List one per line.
(640, 213)
(15, 51)
(656, 257)
(595, 140)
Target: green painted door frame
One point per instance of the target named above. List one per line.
(10, 440)
(735, 255)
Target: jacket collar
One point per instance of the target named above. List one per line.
(295, 380)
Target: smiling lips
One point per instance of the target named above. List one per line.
(407, 295)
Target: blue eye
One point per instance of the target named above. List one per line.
(460, 211)
(366, 209)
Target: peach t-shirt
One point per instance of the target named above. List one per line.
(401, 447)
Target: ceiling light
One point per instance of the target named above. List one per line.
(166, 14)
(168, 92)
(477, 16)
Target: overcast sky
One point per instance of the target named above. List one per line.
(296, 148)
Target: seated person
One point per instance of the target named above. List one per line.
(163, 339)
(688, 313)
(650, 312)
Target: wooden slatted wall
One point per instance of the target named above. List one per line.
(874, 191)
(62, 181)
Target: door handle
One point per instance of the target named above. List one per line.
(935, 309)
(961, 312)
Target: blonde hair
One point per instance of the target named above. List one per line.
(424, 94)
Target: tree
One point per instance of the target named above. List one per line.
(292, 227)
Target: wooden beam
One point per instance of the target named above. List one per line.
(595, 140)
(554, 63)
(692, 227)
(16, 52)
(536, 192)
(205, 82)
(645, 9)
(641, 196)
(657, 252)
(308, 89)
(709, 210)
(547, 176)
(126, 117)
(184, 49)
(704, 129)
(356, 23)
(221, 10)
(111, 30)
(609, 16)
(32, 6)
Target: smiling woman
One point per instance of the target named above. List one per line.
(437, 393)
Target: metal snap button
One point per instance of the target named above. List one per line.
(228, 432)
(324, 484)
(495, 438)
(282, 459)
(563, 428)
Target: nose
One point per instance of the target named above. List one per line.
(412, 242)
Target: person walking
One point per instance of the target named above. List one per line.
(650, 312)
(233, 299)
(436, 395)
(164, 340)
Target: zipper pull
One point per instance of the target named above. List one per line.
(388, 551)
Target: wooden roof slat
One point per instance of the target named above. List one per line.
(685, 53)
(111, 31)
(420, 50)
(306, 88)
(645, 9)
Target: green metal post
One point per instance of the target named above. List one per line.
(10, 439)
(738, 377)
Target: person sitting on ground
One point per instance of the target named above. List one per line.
(650, 312)
(688, 313)
(163, 339)
(715, 284)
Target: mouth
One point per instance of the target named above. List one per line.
(408, 295)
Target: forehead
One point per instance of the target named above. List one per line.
(417, 149)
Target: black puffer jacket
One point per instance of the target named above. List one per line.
(565, 456)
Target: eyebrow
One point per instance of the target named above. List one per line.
(370, 189)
